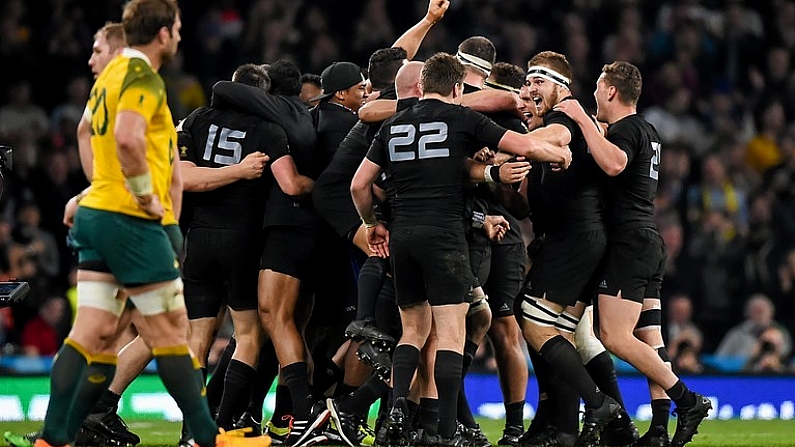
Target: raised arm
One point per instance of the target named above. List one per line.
(607, 155)
(413, 37)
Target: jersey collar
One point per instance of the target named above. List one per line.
(131, 52)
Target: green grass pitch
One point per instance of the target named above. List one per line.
(731, 433)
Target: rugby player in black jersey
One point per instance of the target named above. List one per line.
(559, 285)
(498, 265)
(291, 233)
(223, 167)
(629, 154)
(424, 151)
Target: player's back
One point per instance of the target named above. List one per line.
(219, 138)
(424, 149)
(129, 83)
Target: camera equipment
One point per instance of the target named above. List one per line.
(12, 292)
(767, 347)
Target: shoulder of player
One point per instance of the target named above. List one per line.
(138, 73)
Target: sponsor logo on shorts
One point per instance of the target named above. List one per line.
(603, 284)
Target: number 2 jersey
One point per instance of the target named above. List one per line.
(423, 152)
(129, 83)
(629, 196)
(213, 138)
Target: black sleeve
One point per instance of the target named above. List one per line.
(273, 141)
(377, 154)
(487, 132)
(622, 135)
(185, 140)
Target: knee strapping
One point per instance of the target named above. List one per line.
(99, 295)
(537, 313)
(588, 346)
(161, 300)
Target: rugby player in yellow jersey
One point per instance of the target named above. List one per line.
(121, 242)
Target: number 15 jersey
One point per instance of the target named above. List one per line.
(129, 83)
(423, 151)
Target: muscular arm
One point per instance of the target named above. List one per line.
(491, 100)
(607, 155)
(556, 134)
(377, 110)
(290, 181)
(130, 134)
(534, 148)
(484, 101)
(201, 179)
(361, 189)
(84, 147)
(413, 37)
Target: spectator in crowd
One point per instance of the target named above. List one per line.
(43, 335)
(770, 353)
(23, 125)
(716, 192)
(684, 337)
(763, 150)
(746, 339)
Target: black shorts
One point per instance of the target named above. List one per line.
(479, 257)
(289, 250)
(333, 280)
(506, 277)
(567, 267)
(220, 268)
(635, 265)
(430, 264)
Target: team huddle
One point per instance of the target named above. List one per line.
(364, 236)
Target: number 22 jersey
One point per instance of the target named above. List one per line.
(423, 152)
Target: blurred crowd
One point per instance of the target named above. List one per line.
(718, 85)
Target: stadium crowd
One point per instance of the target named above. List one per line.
(718, 86)
(325, 239)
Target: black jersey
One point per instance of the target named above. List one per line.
(423, 151)
(224, 138)
(571, 198)
(629, 196)
(292, 115)
(332, 122)
(487, 192)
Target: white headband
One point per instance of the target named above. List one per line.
(539, 71)
(498, 86)
(468, 59)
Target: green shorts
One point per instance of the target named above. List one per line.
(136, 251)
(174, 234)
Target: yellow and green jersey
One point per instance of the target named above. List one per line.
(130, 83)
